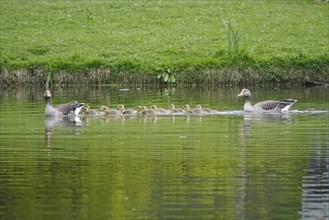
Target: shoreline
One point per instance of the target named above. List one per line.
(186, 76)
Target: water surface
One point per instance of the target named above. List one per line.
(229, 165)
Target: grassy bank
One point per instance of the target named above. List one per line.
(135, 41)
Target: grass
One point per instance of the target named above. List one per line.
(279, 39)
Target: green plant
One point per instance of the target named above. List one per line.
(233, 38)
(167, 77)
(48, 81)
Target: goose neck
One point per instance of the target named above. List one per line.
(48, 100)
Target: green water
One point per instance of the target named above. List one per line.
(229, 165)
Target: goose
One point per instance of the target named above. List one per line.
(205, 110)
(120, 107)
(124, 111)
(110, 112)
(90, 112)
(265, 106)
(188, 110)
(160, 111)
(173, 109)
(132, 111)
(67, 109)
(145, 111)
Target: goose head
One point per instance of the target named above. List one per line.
(171, 107)
(154, 107)
(103, 108)
(245, 93)
(85, 109)
(143, 108)
(120, 107)
(186, 107)
(47, 96)
(138, 108)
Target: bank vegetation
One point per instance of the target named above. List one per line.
(163, 42)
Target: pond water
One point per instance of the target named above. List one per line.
(229, 165)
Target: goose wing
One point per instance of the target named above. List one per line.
(285, 104)
(282, 105)
(69, 107)
(267, 105)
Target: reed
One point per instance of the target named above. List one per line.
(233, 38)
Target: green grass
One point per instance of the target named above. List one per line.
(187, 37)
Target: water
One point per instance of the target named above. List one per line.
(229, 165)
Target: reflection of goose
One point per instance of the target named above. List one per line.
(52, 122)
(265, 106)
(72, 108)
(254, 116)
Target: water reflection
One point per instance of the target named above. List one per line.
(315, 191)
(250, 117)
(228, 165)
(51, 122)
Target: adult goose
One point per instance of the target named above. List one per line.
(265, 106)
(67, 109)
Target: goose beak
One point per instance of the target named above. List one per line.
(241, 94)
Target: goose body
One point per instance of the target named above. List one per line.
(205, 110)
(67, 109)
(160, 111)
(110, 112)
(265, 106)
(145, 111)
(188, 110)
(173, 109)
(128, 111)
(90, 112)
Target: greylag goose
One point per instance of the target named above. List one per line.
(265, 106)
(110, 112)
(90, 112)
(173, 109)
(188, 110)
(145, 111)
(132, 111)
(160, 111)
(67, 109)
(120, 107)
(205, 110)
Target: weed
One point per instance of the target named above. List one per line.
(233, 38)
(167, 77)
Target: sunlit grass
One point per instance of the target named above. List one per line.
(152, 35)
